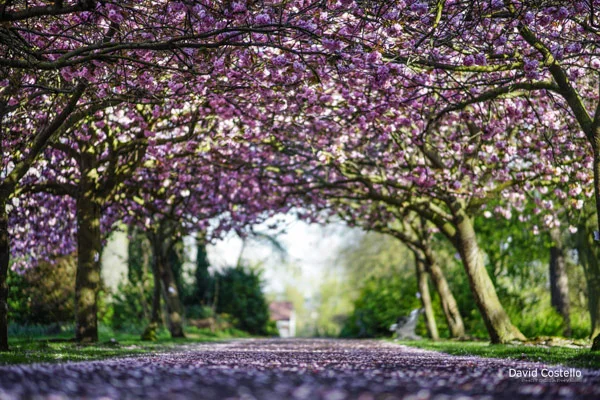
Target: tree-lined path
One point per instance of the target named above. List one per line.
(290, 369)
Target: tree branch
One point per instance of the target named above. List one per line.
(45, 11)
(39, 142)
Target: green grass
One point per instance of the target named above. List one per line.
(567, 356)
(59, 348)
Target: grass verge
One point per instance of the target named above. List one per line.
(59, 348)
(567, 356)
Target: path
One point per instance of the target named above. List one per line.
(290, 369)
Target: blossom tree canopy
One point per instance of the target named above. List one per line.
(368, 136)
(60, 63)
(198, 110)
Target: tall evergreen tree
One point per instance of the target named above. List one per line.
(204, 282)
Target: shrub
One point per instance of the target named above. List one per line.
(131, 304)
(380, 302)
(240, 295)
(43, 295)
(198, 311)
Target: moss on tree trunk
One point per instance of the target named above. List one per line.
(87, 280)
(4, 261)
(168, 286)
(151, 330)
(426, 298)
(593, 270)
(447, 300)
(559, 281)
(497, 321)
(172, 301)
(588, 251)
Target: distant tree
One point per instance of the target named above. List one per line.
(139, 265)
(176, 259)
(242, 297)
(203, 280)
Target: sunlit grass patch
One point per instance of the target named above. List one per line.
(576, 356)
(60, 347)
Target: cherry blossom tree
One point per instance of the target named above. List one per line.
(133, 52)
(483, 50)
(377, 110)
(362, 138)
(182, 189)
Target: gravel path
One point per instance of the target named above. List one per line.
(293, 369)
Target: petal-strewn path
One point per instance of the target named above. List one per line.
(291, 369)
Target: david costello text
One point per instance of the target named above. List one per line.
(562, 374)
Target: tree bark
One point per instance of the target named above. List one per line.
(169, 291)
(87, 280)
(559, 281)
(447, 300)
(426, 298)
(203, 278)
(588, 252)
(4, 262)
(596, 343)
(138, 265)
(594, 306)
(593, 273)
(150, 331)
(155, 314)
(173, 302)
(497, 321)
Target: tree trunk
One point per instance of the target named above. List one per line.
(138, 265)
(152, 328)
(203, 279)
(170, 292)
(594, 306)
(447, 300)
(4, 261)
(588, 253)
(559, 281)
(497, 321)
(596, 343)
(426, 298)
(173, 302)
(155, 315)
(593, 273)
(87, 280)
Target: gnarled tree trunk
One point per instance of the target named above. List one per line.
(589, 253)
(4, 261)
(594, 307)
(497, 321)
(593, 271)
(170, 293)
(138, 265)
(447, 300)
(155, 314)
(559, 281)
(150, 331)
(203, 279)
(426, 297)
(87, 280)
(173, 302)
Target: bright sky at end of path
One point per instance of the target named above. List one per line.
(311, 251)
